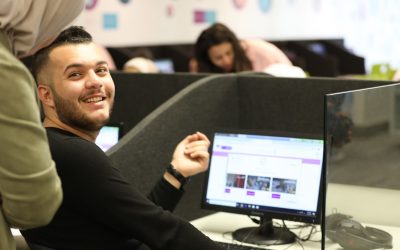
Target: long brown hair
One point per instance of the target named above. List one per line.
(215, 35)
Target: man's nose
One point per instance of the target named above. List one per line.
(93, 80)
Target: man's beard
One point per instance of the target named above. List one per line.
(70, 114)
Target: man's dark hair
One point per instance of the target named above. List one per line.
(71, 35)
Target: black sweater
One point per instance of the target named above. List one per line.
(101, 210)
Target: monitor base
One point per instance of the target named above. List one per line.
(252, 235)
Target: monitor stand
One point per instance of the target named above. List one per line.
(265, 234)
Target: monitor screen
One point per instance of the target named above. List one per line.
(108, 136)
(165, 65)
(270, 175)
(318, 48)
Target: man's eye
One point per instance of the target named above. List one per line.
(74, 74)
(102, 70)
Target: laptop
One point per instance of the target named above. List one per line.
(165, 65)
(109, 135)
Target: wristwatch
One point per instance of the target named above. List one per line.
(182, 179)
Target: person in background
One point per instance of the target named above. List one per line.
(30, 190)
(101, 210)
(142, 61)
(218, 50)
(140, 65)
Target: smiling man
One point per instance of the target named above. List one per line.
(100, 209)
(77, 96)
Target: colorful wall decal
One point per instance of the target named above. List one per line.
(205, 16)
(110, 21)
(265, 5)
(90, 4)
(239, 3)
(170, 10)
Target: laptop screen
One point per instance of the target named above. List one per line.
(109, 136)
(165, 65)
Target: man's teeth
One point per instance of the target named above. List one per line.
(94, 99)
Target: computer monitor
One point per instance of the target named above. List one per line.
(164, 65)
(270, 175)
(318, 48)
(109, 135)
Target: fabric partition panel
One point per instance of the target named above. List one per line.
(144, 153)
(137, 95)
(289, 104)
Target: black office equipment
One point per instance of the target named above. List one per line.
(270, 175)
(351, 235)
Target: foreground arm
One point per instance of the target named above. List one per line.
(30, 189)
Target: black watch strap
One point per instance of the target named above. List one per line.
(182, 179)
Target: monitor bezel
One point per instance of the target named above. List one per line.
(276, 213)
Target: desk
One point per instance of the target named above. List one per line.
(219, 226)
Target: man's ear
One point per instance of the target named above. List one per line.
(45, 95)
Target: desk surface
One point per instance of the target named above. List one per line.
(219, 227)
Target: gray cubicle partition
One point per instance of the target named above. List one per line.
(139, 94)
(289, 104)
(229, 101)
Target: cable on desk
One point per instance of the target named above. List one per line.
(313, 231)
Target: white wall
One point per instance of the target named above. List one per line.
(371, 28)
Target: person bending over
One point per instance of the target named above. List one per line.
(101, 210)
(218, 50)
